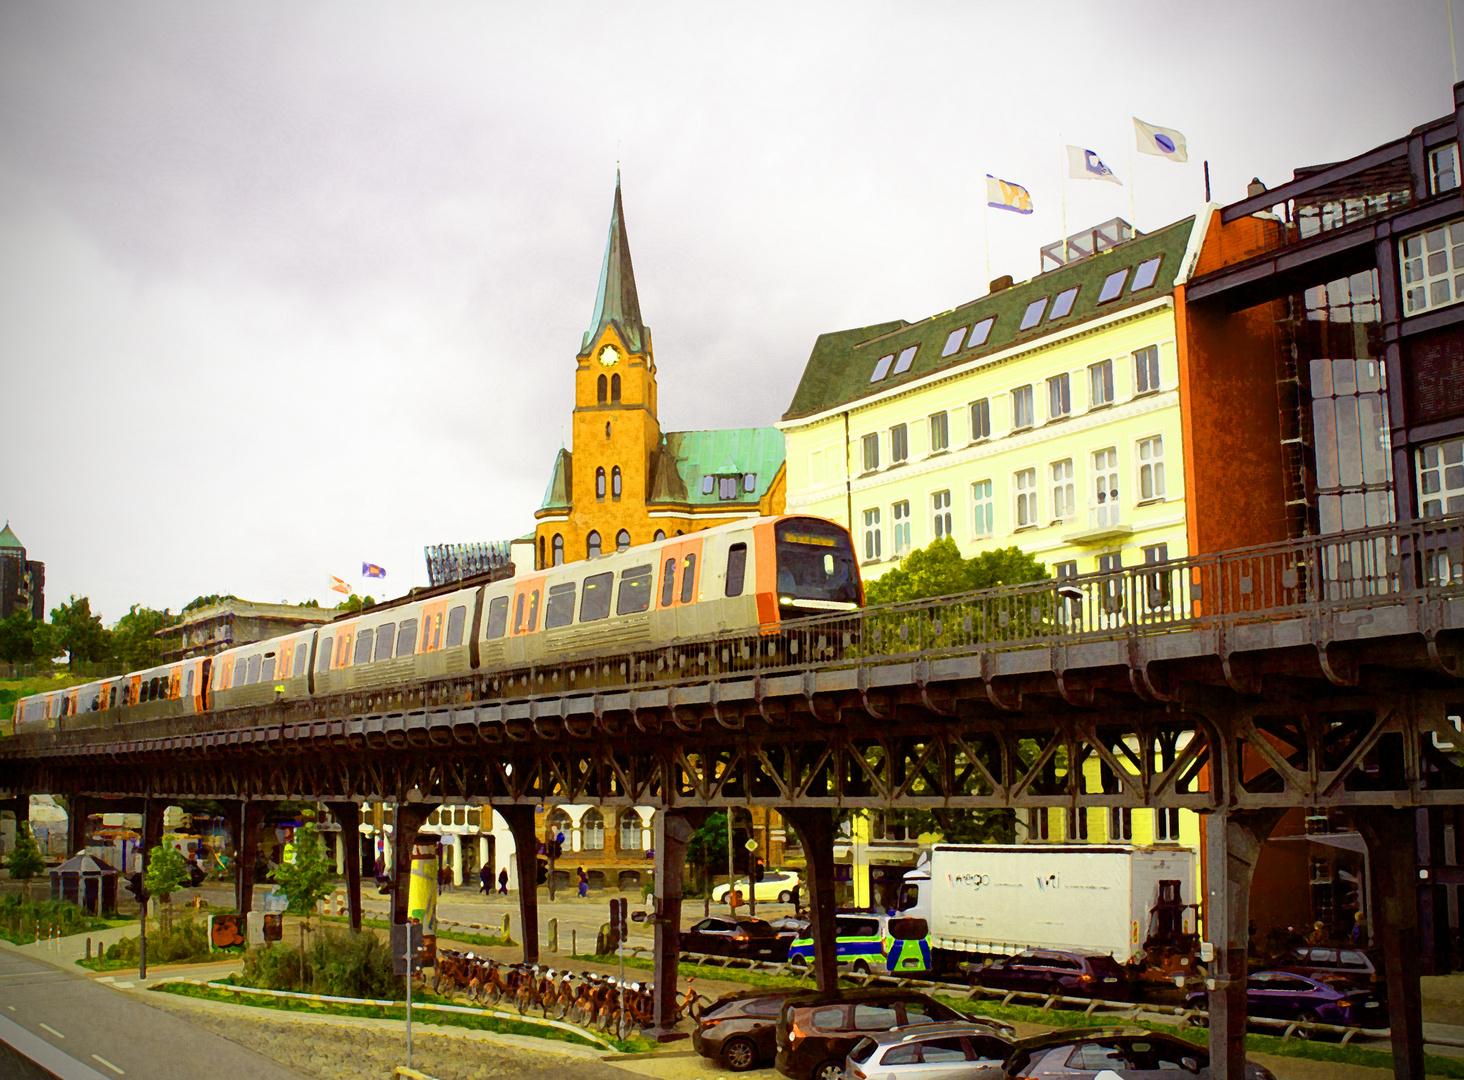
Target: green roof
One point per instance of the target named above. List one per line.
(840, 368)
(687, 457)
(616, 301)
(557, 494)
(8, 539)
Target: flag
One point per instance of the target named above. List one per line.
(1004, 196)
(337, 585)
(372, 570)
(1160, 141)
(1086, 165)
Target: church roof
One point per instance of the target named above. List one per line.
(557, 494)
(690, 462)
(8, 539)
(616, 302)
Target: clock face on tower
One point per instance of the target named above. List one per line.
(608, 355)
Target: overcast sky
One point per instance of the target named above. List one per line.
(285, 287)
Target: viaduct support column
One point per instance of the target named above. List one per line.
(77, 808)
(815, 827)
(673, 831)
(1391, 838)
(152, 836)
(246, 849)
(526, 858)
(348, 815)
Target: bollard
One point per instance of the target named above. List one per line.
(554, 934)
(506, 938)
(573, 946)
(88, 948)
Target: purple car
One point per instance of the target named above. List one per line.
(1284, 995)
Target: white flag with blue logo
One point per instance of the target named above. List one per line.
(1086, 165)
(1160, 141)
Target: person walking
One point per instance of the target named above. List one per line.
(584, 883)
(503, 881)
(485, 881)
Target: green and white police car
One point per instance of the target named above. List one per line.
(873, 943)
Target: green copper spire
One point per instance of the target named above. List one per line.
(8, 539)
(616, 300)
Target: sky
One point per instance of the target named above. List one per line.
(286, 287)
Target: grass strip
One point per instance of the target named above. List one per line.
(442, 935)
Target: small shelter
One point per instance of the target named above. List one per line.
(87, 882)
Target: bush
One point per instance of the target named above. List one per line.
(19, 918)
(340, 963)
(185, 942)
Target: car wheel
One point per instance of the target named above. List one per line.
(1307, 1017)
(785, 897)
(860, 967)
(739, 1054)
(829, 1070)
(798, 960)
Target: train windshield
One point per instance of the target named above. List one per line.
(816, 566)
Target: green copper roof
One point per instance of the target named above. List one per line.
(616, 301)
(840, 368)
(556, 495)
(687, 458)
(8, 539)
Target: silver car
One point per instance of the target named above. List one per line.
(970, 1051)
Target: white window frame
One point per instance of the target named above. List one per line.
(899, 441)
(940, 514)
(1429, 259)
(1120, 824)
(940, 432)
(1059, 396)
(900, 528)
(1106, 506)
(1149, 457)
(869, 449)
(1060, 485)
(1439, 478)
(1022, 404)
(1166, 824)
(985, 416)
(1024, 495)
(1448, 154)
(1100, 379)
(983, 508)
(1148, 379)
(873, 534)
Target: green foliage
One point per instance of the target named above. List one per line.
(20, 917)
(960, 826)
(167, 872)
(185, 942)
(308, 603)
(939, 570)
(24, 641)
(133, 638)
(339, 963)
(311, 877)
(80, 633)
(207, 601)
(355, 603)
(709, 844)
(25, 860)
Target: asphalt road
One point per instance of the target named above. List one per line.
(78, 1029)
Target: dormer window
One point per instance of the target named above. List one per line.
(1033, 315)
(1063, 304)
(882, 368)
(953, 342)
(1144, 275)
(907, 357)
(980, 332)
(1113, 286)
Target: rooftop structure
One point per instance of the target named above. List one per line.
(22, 580)
(211, 629)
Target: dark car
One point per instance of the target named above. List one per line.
(817, 1031)
(1284, 995)
(723, 935)
(790, 929)
(741, 1029)
(1045, 971)
(1329, 963)
(1110, 1052)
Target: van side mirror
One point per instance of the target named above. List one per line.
(637, 916)
(1189, 1064)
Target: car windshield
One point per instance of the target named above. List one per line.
(862, 1049)
(816, 562)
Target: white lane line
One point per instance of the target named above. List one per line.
(109, 1065)
(45, 1055)
(129, 986)
(56, 1033)
(12, 1007)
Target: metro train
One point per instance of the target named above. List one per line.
(745, 575)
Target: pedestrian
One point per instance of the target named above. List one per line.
(503, 881)
(584, 884)
(485, 881)
(1359, 929)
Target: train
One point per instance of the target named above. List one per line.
(750, 574)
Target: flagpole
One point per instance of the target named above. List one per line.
(986, 240)
(1062, 188)
(1132, 214)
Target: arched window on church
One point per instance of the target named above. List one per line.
(600, 390)
(600, 484)
(592, 827)
(660, 535)
(615, 483)
(614, 387)
(622, 540)
(558, 552)
(607, 429)
(541, 553)
(592, 544)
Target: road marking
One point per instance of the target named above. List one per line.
(58, 1035)
(129, 986)
(57, 1062)
(109, 1065)
(12, 1007)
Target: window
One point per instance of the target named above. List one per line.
(871, 451)
(688, 579)
(1038, 827)
(614, 485)
(944, 1049)
(456, 620)
(882, 368)
(1146, 370)
(1100, 384)
(727, 487)
(668, 583)
(874, 1017)
(1157, 589)
(953, 342)
(559, 611)
(592, 544)
(1151, 468)
(635, 590)
(708, 483)
(497, 621)
(387, 631)
(1063, 504)
(1077, 825)
(600, 390)
(1145, 274)
(1021, 408)
(1063, 304)
(600, 485)
(1112, 594)
(1120, 823)
(659, 536)
(872, 534)
(899, 444)
(736, 568)
(622, 540)
(1430, 261)
(1112, 286)
(907, 1054)
(558, 556)
(302, 658)
(1105, 487)
(900, 517)
(980, 332)
(1166, 824)
(595, 599)
(940, 514)
(541, 554)
(630, 831)
(940, 432)
(749, 482)
(614, 388)
(980, 419)
(1026, 489)
(1059, 397)
(324, 662)
(982, 511)
(907, 357)
(1441, 478)
(363, 651)
(1033, 314)
(1443, 169)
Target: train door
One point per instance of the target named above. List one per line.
(686, 587)
(523, 617)
(134, 693)
(205, 669)
(432, 626)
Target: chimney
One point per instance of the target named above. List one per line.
(1254, 188)
(1003, 282)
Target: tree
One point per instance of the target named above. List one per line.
(207, 601)
(939, 570)
(355, 603)
(311, 877)
(708, 848)
(134, 639)
(23, 640)
(960, 826)
(25, 860)
(167, 872)
(81, 633)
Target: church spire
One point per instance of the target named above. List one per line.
(615, 299)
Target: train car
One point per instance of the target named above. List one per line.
(262, 671)
(412, 640)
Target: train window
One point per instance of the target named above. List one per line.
(190, 694)
(596, 601)
(668, 584)
(688, 583)
(363, 647)
(302, 658)
(635, 590)
(152, 693)
(384, 634)
(254, 668)
(324, 665)
(736, 568)
(497, 618)
(533, 615)
(456, 619)
(407, 637)
(266, 673)
(518, 623)
(559, 611)
(112, 702)
(241, 669)
(343, 650)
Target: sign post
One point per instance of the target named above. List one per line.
(406, 942)
(751, 846)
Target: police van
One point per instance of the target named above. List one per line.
(872, 943)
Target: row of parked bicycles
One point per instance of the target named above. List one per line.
(584, 998)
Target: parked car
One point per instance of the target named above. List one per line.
(741, 1029)
(1046, 971)
(790, 929)
(1284, 995)
(816, 1031)
(860, 942)
(723, 935)
(954, 1051)
(776, 885)
(1330, 963)
(1114, 1052)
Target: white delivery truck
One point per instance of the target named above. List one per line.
(982, 900)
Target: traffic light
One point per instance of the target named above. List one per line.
(757, 871)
